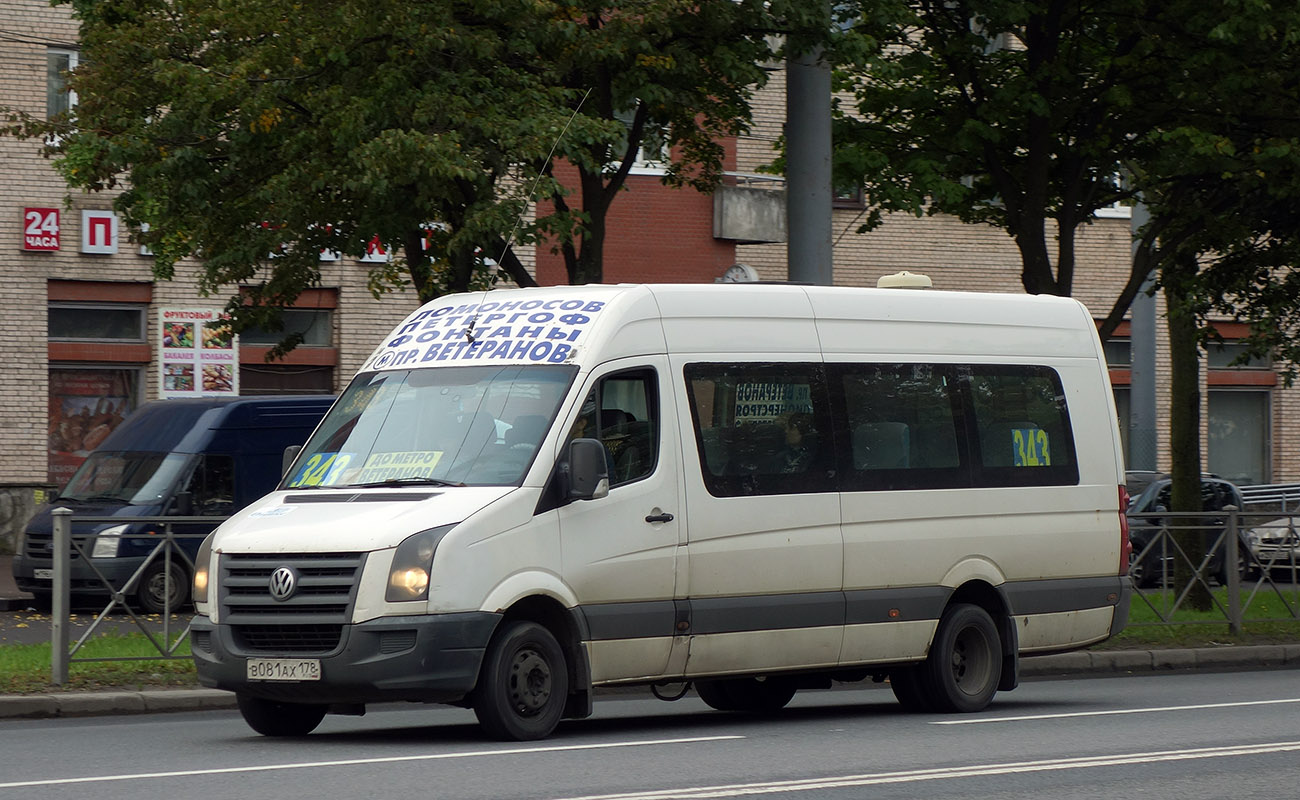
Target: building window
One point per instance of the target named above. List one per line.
(1225, 355)
(849, 197)
(96, 322)
(1119, 353)
(1239, 435)
(315, 325)
(59, 99)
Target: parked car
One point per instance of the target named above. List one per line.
(204, 457)
(1274, 545)
(1149, 493)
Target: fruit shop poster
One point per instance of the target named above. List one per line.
(199, 353)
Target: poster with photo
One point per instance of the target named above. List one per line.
(85, 406)
(199, 354)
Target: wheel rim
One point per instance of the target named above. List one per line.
(972, 661)
(530, 683)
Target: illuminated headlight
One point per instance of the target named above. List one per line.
(106, 542)
(408, 579)
(202, 562)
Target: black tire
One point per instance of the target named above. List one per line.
(1139, 571)
(523, 685)
(752, 695)
(909, 689)
(961, 673)
(715, 695)
(271, 718)
(152, 592)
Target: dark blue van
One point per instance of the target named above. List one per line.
(203, 457)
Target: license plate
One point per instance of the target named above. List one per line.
(284, 669)
(43, 574)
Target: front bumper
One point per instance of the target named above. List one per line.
(427, 658)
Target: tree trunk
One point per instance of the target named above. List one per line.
(1185, 429)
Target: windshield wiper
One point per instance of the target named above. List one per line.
(412, 480)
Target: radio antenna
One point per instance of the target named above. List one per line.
(542, 171)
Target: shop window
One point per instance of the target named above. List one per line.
(315, 325)
(285, 379)
(1239, 435)
(86, 403)
(82, 322)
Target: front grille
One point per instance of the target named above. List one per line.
(288, 638)
(326, 588)
(40, 546)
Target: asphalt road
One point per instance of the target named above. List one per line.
(1185, 736)
(31, 627)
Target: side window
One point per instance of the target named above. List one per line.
(622, 411)
(901, 426)
(213, 486)
(1021, 426)
(762, 428)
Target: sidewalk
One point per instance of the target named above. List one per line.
(1083, 662)
(10, 598)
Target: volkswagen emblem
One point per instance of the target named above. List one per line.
(283, 583)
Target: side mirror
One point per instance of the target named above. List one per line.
(183, 504)
(290, 453)
(588, 470)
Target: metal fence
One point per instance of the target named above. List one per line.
(1282, 497)
(177, 565)
(1254, 557)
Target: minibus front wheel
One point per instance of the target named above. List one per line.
(524, 683)
(270, 718)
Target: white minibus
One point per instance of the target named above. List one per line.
(525, 495)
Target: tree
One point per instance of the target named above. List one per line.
(1000, 112)
(670, 77)
(258, 134)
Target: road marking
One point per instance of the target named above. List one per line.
(1113, 712)
(357, 761)
(944, 773)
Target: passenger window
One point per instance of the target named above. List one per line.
(902, 427)
(213, 486)
(1023, 428)
(622, 412)
(762, 428)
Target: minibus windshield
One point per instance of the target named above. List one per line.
(127, 476)
(479, 425)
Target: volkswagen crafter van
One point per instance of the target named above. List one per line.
(527, 494)
(182, 457)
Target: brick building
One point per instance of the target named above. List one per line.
(84, 341)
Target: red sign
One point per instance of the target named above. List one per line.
(40, 229)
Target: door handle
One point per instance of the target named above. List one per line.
(664, 517)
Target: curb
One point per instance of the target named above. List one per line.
(1062, 665)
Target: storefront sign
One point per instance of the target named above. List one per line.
(198, 353)
(98, 232)
(40, 229)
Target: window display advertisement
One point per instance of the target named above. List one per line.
(198, 353)
(85, 406)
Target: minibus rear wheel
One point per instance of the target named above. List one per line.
(524, 683)
(755, 695)
(962, 671)
(270, 718)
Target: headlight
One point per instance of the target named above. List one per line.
(106, 542)
(201, 563)
(408, 579)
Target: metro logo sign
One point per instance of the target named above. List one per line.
(40, 229)
(98, 232)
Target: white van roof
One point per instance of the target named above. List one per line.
(596, 323)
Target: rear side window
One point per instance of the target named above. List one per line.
(1021, 426)
(902, 424)
(762, 428)
(797, 428)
